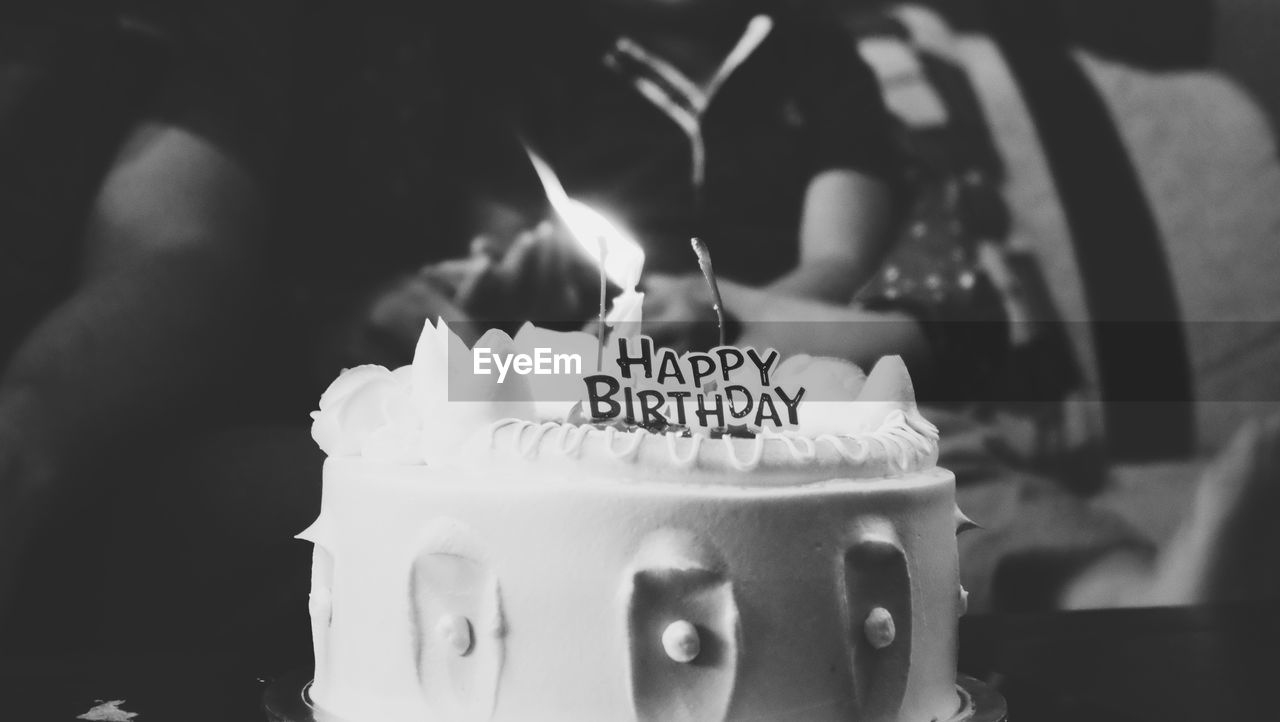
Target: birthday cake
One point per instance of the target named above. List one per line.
(657, 547)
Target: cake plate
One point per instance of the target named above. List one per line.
(979, 702)
(287, 700)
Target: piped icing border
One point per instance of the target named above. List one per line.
(904, 442)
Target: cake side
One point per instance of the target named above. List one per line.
(653, 551)
(482, 593)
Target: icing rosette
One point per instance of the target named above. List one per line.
(830, 404)
(554, 395)
(841, 400)
(367, 412)
(453, 401)
(887, 394)
(422, 412)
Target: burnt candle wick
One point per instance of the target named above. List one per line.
(704, 263)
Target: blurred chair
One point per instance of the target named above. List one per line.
(1204, 160)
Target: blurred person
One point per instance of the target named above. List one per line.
(131, 234)
(753, 126)
(631, 127)
(519, 267)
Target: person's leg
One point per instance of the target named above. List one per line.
(1036, 535)
(1037, 540)
(1045, 548)
(1227, 548)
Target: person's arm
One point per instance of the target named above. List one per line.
(679, 313)
(159, 313)
(797, 325)
(853, 166)
(844, 234)
(844, 231)
(843, 238)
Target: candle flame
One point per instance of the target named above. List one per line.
(623, 259)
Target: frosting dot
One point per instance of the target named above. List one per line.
(879, 628)
(681, 642)
(455, 631)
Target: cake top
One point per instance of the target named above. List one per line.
(636, 406)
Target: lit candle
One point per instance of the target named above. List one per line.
(617, 255)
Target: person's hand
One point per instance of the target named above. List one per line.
(383, 326)
(679, 312)
(394, 318)
(539, 275)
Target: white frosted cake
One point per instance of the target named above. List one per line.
(473, 567)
